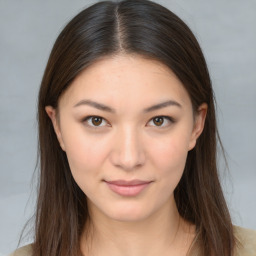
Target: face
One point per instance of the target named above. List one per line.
(126, 124)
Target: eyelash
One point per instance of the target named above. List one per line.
(169, 118)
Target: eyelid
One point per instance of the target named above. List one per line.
(92, 126)
(169, 118)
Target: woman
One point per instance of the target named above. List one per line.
(127, 141)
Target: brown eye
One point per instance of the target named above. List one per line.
(158, 121)
(96, 120)
(162, 121)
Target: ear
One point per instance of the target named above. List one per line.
(198, 124)
(51, 112)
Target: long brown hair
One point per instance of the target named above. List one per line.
(133, 27)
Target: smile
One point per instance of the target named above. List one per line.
(128, 188)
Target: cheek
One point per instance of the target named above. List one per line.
(171, 152)
(85, 155)
(169, 159)
(81, 153)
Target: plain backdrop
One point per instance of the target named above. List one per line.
(28, 29)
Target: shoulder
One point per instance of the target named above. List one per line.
(245, 241)
(23, 251)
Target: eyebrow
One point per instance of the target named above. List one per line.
(106, 108)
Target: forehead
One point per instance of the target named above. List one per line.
(126, 79)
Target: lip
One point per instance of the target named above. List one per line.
(127, 188)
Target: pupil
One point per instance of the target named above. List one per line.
(96, 120)
(158, 120)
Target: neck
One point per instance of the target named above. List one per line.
(165, 230)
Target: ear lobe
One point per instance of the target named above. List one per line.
(198, 124)
(51, 112)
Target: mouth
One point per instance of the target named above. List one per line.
(127, 188)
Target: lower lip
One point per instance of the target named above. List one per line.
(128, 190)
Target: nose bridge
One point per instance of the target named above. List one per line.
(128, 148)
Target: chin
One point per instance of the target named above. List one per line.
(128, 213)
(128, 218)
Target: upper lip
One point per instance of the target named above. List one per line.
(127, 183)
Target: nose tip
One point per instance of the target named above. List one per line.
(128, 158)
(128, 152)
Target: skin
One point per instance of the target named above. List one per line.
(127, 145)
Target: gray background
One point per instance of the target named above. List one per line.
(28, 29)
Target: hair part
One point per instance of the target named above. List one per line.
(147, 29)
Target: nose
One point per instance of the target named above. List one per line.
(128, 153)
